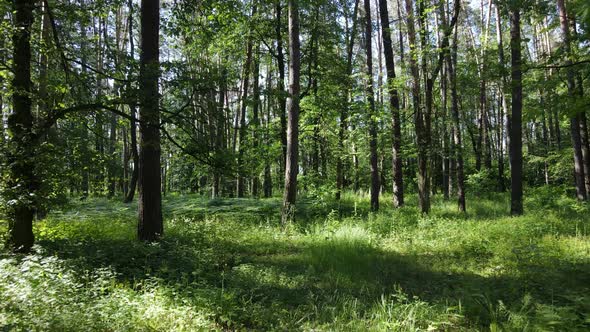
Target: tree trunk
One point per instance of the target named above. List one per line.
(241, 183)
(256, 123)
(132, 109)
(291, 164)
(150, 226)
(281, 84)
(219, 134)
(416, 93)
(584, 139)
(505, 114)
(20, 127)
(576, 118)
(374, 160)
(342, 130)
(398, 186)
(451, 59)
(516, 206)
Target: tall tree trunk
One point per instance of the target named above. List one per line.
(504, 117)
(150, 226)
(374, 160)
(241, 183)
(20, 127)
(398, 186)
(133, 112)
(267, 182)
(576, 118)
(342, 130)
(585, 150)
(256, 122)
(219, 133)
(584, 138)
(281, 84)
(516, 206)
(416, 102)
(291, 164)
(457, 139)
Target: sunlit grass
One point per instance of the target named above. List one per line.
(228, 264)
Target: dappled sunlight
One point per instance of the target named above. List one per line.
(228, 264)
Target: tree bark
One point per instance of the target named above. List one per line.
(132, 109)
(516, 206)
(241, 183)
(256, 122)
(504, 114)
(374, 160)
(576, 118)
(20, 129)
(150, 226)
(457, 139)
(398, 186)
(343, 128)
(291, 164)
(281, 85)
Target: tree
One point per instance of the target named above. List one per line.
(23, 141)
(150, 226)
(132, 123)
(398, 184)
(575, 118)
(516, 206)
(291, 163)
(451, 58)
(373, 159)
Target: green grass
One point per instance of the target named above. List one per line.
(228, 265)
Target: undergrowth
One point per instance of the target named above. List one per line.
(227, 264)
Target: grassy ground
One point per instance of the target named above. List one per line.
(227, 265)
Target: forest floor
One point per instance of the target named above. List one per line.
(227, 264)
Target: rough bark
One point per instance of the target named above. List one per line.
(291, 164)
(575, 119)
(398, 187)
(133, 112)
(20, 155)
(150, 226)
(516, 206)
(343, 128)
(373, 159)
(457, 139)
(281, 85)
(256, 122)
(241, 182)
(504, 114)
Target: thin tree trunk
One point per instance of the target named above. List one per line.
(398, 187)
(451, 59)
(281, 85)
(374, 160)
(576, 118)
(267, 182)
(505, 114)
(516, 206)
(342, 130)
(219, 133)
(291, 164)
(584, 139)
(133, 112)
(256, 122)
(240, 183)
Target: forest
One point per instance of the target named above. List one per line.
(314, 165)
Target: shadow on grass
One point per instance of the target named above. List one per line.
(273, 278)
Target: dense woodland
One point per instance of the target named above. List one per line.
(306, 110)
